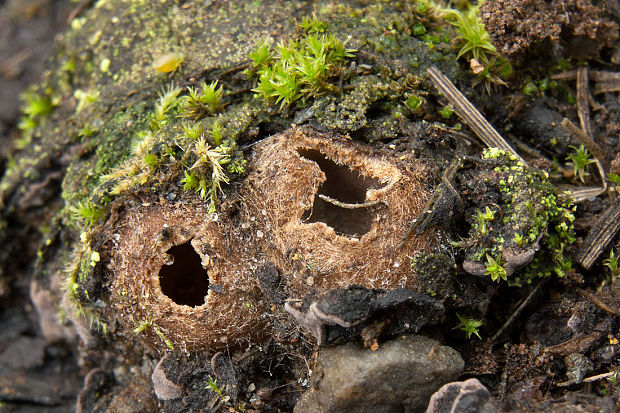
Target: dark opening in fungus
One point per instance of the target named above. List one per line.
(184, 281)
(344, 186)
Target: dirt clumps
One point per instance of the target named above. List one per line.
(523, 28)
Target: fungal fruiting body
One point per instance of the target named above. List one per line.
(325, 211)
(335, 212)
(178, 269)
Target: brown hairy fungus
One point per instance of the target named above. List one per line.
(327, 212)
(176, 270)
(331, 213)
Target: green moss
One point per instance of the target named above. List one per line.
(532, 212)
(86, 214)
(446, 111)
(299, 69)
(414, 102)
(349, 111)
(495, 269)
(435, 272)
(37, 105)
(204, 101)
(579, 159)
(313, 25)
(474, 42)
(469, 325)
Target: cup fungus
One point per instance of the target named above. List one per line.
(332, 213)
(179, 279)
(328, 212)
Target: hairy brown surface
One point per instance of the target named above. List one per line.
(280, 195)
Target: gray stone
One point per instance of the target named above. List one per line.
(165, 389)
(468, 396)
(400, 376)
(577, 366)
(23, 353)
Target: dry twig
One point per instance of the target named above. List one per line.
(350, 206)
(583, 104)
(588, 379)
(77, 10)
(469, 113)
(603, 232)
(605, 81)
(594, 299)
(596, 75)
(519, 310)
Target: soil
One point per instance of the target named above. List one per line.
(547, 342)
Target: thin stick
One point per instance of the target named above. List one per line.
(77, 10)
(518, 311)
(588, 379)
(469, 113)
(605, 87)
(350, 206)
(596, 75)
(568, 75)
(594, 299)
(604, 76)
(580, 195)
(10, 67)
(583, 104)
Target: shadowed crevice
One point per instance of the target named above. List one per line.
(343, 185)
(184, 281)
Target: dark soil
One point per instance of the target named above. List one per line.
(35, 375)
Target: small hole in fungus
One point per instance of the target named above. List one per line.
(346, 186)
(184, 281)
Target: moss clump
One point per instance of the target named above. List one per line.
(206, 101)
(435, 272)
(299, 69)
(524, 214)
(37, 106)
(475, 44)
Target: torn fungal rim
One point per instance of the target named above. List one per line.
(345, 190)
(282, 185)
(183, 265)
